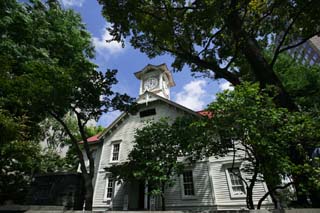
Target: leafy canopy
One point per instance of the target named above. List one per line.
(270, 138)
(47, 72)
(216, 36)
(158, 153)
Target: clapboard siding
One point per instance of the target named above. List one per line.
(126, 130)
(221, 188)
(210, 181)
(119, 192)
(100, 190)
(125, 133)
(202, 185)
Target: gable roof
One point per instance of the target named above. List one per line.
(113, 124)
(168, 102)
(93, 139)
(96, 138)
(158, 98)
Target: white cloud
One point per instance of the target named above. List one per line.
(92, 123)
(226, 86)
(72, 3)
(105, 48)
(107, 118)
(192, 95)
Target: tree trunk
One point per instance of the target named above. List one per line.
(88, 192)
(273, 197)
(163, 199)
(87, 176)
(266, 76)
(250, 204)
(252, 52)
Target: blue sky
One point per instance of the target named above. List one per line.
(190, 92)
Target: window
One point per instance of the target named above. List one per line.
(235, 182)
(109, 189)
(188, 187)
(147, 112)
(315, 57)
(312, 62)
(115, 152)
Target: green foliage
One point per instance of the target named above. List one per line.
(207, 35)
(46, 52)
(159, 153)
(301, 81)
(272, 139)
(237, 41)
(11, 128)
(52, 162)
(19, 162)
(154, 155)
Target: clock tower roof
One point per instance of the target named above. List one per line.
(162, 68)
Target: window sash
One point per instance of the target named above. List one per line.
(115, 152)
(235, 182)
(188, 186)
(109, 188)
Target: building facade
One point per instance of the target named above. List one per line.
(206, 185)
(308, 53)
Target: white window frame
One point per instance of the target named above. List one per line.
(112, 151)
(105, 198)
(233, 194)
(183, 195)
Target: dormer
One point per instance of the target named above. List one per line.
(155, 79)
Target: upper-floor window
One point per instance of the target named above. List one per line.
(312, 62)
(188, 186)
(235, 182)
(147, 112)
(315, 57)
(115, 152)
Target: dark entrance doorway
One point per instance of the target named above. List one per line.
(136, 195)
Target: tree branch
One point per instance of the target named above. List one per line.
(85, 144)
(300, 42)
(73, 140)
(268, 13)
(219, 72)
(286, 32)
(210, 39)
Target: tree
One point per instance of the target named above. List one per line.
(46, 51)
(226, 38)
(263, 135)
(19, 162)
(216, 36)
(56, 139)
(302, 82)
(158, 154)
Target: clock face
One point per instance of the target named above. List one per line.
(151, 83)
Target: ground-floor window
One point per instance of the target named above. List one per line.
(235, 182)
(109, 188)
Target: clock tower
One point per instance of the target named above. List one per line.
(155, 79)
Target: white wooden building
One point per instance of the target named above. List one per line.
(207, 185)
